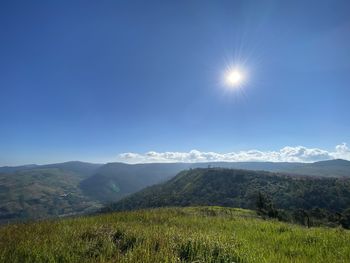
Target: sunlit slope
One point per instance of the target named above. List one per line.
(206, 234)
(238, 188)
(113, 181)
(39, 191)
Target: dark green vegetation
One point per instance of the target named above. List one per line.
(206, 234)
(325, 200)
(116, 180)
(40, 191)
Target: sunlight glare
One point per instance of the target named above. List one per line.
(233, 78)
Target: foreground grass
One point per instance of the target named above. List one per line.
(206, 234)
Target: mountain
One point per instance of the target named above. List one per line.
(11, 169)
(239, 188)
(82, 168)
(116, 180)
(41, 191)
(330, 168)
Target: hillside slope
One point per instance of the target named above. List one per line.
(238, 188)
(206, 234)
(39, 191)
(113, 181)
(33, 192)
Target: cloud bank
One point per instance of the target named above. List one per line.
(286, 154)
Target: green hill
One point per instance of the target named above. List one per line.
(240, 188)
(45, 191)
(61, 189)
(113, 181)
(202, 234)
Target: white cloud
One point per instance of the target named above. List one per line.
(286, 154)
(342, 151)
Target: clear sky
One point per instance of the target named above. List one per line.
(88, 80)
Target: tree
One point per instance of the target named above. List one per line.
(345, 218)
(302, 217)
(265, 206)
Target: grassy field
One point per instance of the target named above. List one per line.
(203, 234)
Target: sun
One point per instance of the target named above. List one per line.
(234, 78)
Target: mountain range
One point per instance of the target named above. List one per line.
(41, 191)
(240, 188)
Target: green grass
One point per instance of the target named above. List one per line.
(202, 234)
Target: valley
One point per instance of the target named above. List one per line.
(73, 188)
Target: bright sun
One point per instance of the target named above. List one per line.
(233, 78)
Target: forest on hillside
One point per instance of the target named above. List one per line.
(305, 200)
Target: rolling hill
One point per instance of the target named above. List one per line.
(113, 181)
(32, 192)
(40, 191)
(240, 188)
(330, 168)
(81, 168)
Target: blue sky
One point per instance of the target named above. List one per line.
(88, 80)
